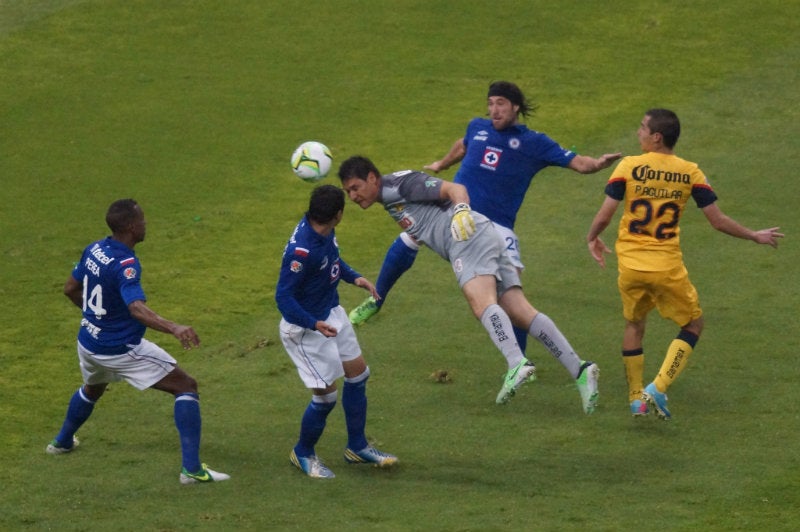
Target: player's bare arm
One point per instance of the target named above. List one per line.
(151, 319)
(602, 219)
(363, 282)
(768, 236)
(725, 224)
(584, 164)
(456, 153)
(454, 192)
(74, 291)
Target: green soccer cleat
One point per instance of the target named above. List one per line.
(523, 372)
(204, 475)
(587, 386)
(364, 311)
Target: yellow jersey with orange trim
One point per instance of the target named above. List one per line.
(655, 188)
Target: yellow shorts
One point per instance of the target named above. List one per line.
(670, 292)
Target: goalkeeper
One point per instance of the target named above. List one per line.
(436, 213)
(499, 158)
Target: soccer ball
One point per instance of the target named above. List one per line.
(311, 161)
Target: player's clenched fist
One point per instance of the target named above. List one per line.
(463, 225)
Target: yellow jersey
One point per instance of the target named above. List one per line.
(655, 188)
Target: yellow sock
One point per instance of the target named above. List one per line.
(677, 356)
(634, 369)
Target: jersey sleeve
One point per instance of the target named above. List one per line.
(419, 186)
(552, 152)
(294, 265)
(615, 188)
(348, 274)
(129, 278)
(470, 132)
(703, 195)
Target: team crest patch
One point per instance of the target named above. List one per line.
(491, 158)
(296, 266)
(129, 273)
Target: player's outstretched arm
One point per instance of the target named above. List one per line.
(455, 155)
(768, 236)
(725, 224)
(584, 164)
(149, 318)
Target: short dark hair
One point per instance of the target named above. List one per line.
(357, 166)
(325, 203)
(512, 93)
(665, 122)
(121, 214)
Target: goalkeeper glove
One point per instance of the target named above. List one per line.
(463, 225)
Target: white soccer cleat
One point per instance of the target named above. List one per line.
(55, 448)
(311, 466)
(204, 475)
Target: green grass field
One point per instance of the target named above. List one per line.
(193, 108)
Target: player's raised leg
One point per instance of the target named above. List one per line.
(399, 258)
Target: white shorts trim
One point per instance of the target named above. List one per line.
(317, 357)
(141, 367)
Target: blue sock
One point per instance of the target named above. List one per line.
(399, 258)
(522, 338)
(187, 420)
(79, 409)
(312, 425)
(354, 403)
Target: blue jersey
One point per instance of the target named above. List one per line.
(498, 166)
(109, 272)
(310, 273)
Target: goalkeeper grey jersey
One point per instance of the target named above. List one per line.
(412, 199)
